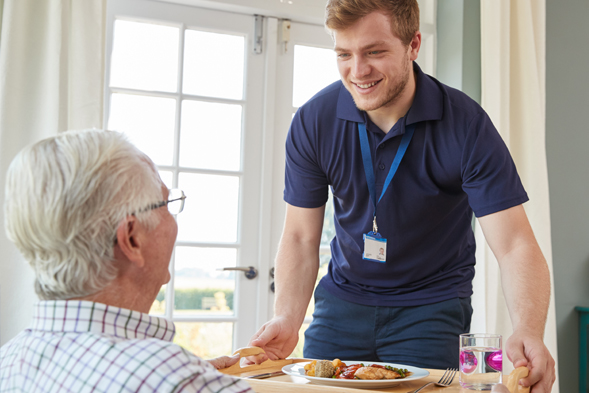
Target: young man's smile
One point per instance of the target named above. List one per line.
(374, 64)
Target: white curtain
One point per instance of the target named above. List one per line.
(51, 80)
(513, 35)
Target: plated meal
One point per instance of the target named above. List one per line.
(339, 370)
(320, 371)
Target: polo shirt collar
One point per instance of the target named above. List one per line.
(427, 103)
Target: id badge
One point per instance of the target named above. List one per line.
(375, 247)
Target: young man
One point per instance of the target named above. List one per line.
(409, 160)
(92, 217)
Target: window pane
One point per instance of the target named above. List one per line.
(314, 69)
(210, 136)
(213, 64)
(211, 208)
(298, 351)
(149, 123)
(167, 178)
(205, 339)
(199, 286)
(159, 305)
(144, 56)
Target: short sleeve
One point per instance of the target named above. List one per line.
(489, 175)
(306, 184)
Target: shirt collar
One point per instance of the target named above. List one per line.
(427, 103)
(82, 316)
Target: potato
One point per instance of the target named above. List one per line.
(310, 368)
(336, 363)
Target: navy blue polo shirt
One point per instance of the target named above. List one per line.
(456, 164)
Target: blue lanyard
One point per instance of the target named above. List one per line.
(367, 160)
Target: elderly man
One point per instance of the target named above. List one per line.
(92, 217)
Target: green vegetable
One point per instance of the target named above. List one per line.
(402, 371)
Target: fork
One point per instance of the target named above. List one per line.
(445, 380)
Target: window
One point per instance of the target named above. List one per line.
(181, 89)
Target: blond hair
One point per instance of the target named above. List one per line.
(404, 15)
(64, 199)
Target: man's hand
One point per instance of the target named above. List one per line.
(526, 350)
(278, 337)
(224, 361)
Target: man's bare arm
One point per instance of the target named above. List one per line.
(297, 264)
(524, 272)
(526, 285)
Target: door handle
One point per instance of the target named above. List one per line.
(250, 271)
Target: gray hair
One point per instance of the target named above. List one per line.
(64, 199)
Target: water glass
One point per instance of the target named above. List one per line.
(481, 361)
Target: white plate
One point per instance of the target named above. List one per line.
(298, 370)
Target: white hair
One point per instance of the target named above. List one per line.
(65, 197)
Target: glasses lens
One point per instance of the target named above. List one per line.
(176, 201)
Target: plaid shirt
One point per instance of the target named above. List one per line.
(79, 346)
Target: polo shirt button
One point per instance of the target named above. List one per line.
(381, 146)
(381, 167)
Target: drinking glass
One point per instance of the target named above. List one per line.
(481, 361)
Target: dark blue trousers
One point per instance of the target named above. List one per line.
(421, 336)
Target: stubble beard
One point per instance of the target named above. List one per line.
(392, 95)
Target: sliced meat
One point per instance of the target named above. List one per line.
(376, 373)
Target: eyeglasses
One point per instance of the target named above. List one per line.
(175, 202)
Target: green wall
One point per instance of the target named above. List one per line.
(567, 148)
